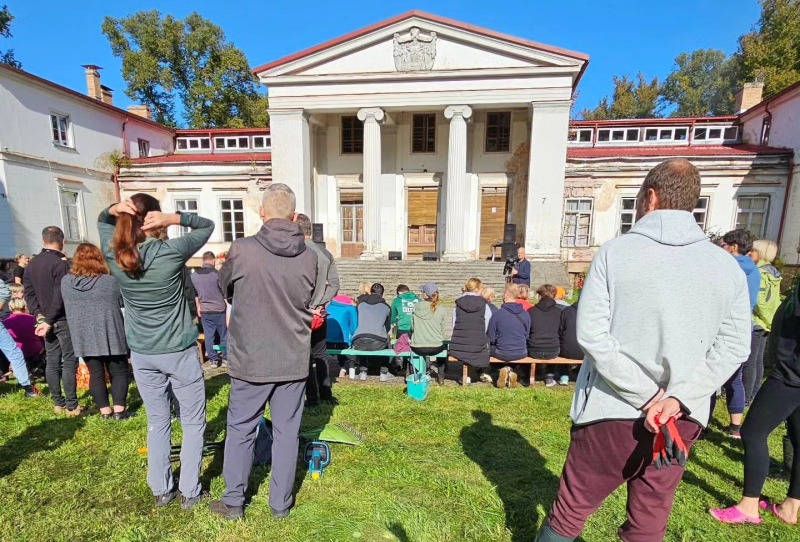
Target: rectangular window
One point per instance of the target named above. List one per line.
(731, 133)
(700, 134)
(352, 135)
(185, 206)
(766, 124)
(604, 135)
(261, 142)
(630, 135)
(232, 142)
(60, 125)
(71, 213)
(701, 212)
(651, 134)
(232, 219)
(423, 134)
(680, 134)
(577, 222)
(144, 148)
(627, 215)
(716, 134)
(752, 214)
(498, 132)
(352, 223)
(580, 136)
(193, 143)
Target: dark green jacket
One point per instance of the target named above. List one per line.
(157, 316)
(402, 307)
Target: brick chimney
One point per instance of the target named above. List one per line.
(108, 94)
(93, 86)
(141, 111)
(748, 96)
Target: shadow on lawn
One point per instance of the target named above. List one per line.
(45, 437)
(516, 468)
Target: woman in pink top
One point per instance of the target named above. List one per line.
(21, 326)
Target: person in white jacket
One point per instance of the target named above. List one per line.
(664, 320)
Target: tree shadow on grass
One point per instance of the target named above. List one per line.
(45, 437)
(516, 469)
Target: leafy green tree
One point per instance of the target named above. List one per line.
(5, 31)
(167, 61)
(703, 84)
(772, 51)
(632, 99)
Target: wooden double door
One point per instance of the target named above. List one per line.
(423, 205)
(494, 205)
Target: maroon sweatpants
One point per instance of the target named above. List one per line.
(603, 456)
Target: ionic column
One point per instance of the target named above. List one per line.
(372, 117)
(457, 191)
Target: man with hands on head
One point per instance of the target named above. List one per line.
(648, 360)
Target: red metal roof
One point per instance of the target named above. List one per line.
(695, 150)
(208, 157)
(654, 120)
(429, 17)
(84, 97)
(204, 131)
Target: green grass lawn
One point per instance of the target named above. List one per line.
(479, 464)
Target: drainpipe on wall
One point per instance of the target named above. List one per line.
(786, 195)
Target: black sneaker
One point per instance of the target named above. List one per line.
(166, 498)
(119, 416)
(31, 391)
(280, 514)
(223, 510)
(187, 503)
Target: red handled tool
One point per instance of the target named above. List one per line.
(669, 445)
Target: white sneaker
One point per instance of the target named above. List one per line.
(486, 378)
(352, 373)
(385, 377)
(362, 375)
(342, 373)
(549, 382)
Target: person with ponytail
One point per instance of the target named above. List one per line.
(428, 324)
(160, 333)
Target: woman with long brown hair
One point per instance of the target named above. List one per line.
(160, 333)
(93, 303)
(428, 324)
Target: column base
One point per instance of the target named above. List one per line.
(456, 257)
(371, 256)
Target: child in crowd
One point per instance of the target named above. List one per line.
(508, 333)
(543, 341)
(524, 294)
(561, 294)
(364, 289)
(488, 295)
(428, 325)
(372, 333)
(402, 307)
(342, 324)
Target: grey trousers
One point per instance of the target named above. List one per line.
(154, 375)
(245, 409)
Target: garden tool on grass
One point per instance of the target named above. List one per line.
(669, 445)
(338, 432)
(318, 456)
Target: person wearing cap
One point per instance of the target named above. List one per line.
(428, 324)
(561, 293)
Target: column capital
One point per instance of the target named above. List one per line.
(553, 106)
(374, 113)
(463, 111)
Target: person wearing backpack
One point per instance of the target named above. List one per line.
(508, 333)
(769, 299)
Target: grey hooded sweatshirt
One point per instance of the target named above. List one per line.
(271, 278)
(661, 308)
(94, 315)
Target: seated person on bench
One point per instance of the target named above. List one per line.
(428, 325)
(470, 322)
(543, 341)
(372, 333)
(508, 334)
(342, 324)
(523, 295)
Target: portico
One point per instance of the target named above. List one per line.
(408, 136)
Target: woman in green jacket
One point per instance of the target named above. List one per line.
(428, 325)
(769, 299)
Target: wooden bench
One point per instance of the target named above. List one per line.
(387, 353)
(525, 361)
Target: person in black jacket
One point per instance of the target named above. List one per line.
(776, 401)
(43, 295)
(470, 344)
(543, 341)
(568, 337)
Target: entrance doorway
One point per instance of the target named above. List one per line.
(352, 226)
(422, 213)
(493, 218)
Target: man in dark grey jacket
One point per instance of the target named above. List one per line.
(319, 380)
(271, 278)
(211, 306)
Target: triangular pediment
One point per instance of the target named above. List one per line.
(417, 43)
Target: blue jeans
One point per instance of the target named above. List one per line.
(213, 324)
(14, 356)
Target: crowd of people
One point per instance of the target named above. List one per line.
(273, 308)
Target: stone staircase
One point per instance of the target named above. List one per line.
(449, 276)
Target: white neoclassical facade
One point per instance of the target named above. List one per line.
(405, 136)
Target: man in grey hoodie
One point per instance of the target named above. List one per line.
(647, 358)
(271, 277)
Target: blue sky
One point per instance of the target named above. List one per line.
(53, 38)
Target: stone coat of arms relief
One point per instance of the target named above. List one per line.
(414, 51)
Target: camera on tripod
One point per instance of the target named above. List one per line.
(509, 267)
